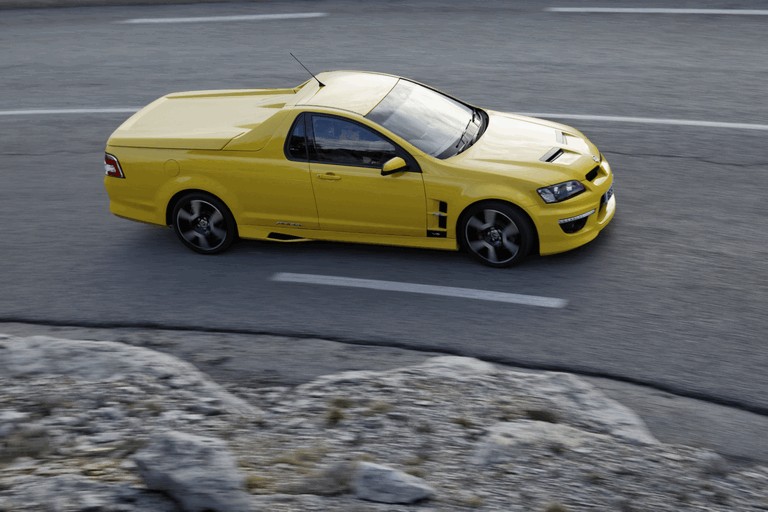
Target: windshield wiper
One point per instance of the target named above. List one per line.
(464, 132)
(466, 129)
(480, 126)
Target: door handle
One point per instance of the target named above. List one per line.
(329, 176)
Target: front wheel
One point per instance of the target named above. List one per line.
(495, 233)
(203, 223)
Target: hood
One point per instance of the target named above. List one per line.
(524, 145)
(199, 120)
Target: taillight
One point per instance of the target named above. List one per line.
(112, 166)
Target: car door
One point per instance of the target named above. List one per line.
(352, 195)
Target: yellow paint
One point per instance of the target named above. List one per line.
(231, 144)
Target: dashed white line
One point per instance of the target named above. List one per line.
(659, 10)
(210, 19)
(651, 120)
(58, 111)
(425, 289)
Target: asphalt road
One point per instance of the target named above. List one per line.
(672, 295)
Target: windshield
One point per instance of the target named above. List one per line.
(433, 122)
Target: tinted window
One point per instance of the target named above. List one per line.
(346, 143)
(296, 147)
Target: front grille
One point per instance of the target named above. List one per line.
(606, 197)
(591, 175)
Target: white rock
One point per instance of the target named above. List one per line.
(509, 440)
(567, 391)
(78, 493)
(713, 464)
(103, 361)
(11, 416)
(456, 366)
(375, 482)
(197, 472)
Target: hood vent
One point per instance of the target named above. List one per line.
(552, 155)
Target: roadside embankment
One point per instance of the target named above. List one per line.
(99, 425)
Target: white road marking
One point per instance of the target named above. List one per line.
(209, 19)
(426, 289)
(651, 120)
(582, 117)
(52, 112)
(657, 10)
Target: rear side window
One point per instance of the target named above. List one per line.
(296, 144)
(337, 141)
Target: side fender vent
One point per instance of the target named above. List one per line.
(437, 219)
(442, 220)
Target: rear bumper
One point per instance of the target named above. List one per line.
(125, 202)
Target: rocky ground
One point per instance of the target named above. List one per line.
(103, 426)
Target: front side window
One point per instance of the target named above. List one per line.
(337, 141)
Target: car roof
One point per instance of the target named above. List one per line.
(354, 91)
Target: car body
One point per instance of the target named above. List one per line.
(358, 157)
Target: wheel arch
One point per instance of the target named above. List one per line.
(520, 209)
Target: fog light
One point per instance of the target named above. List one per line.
(574, 224)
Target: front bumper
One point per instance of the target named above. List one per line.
(594, 209)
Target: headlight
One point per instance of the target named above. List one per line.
(561, 191)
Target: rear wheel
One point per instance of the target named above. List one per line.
(495, 233)
(203, 223)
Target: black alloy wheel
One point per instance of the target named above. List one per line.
(203, 223)
(495, 233)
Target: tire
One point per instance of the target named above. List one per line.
(496, 234)
(203, 223)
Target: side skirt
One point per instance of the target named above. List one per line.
(296, 235)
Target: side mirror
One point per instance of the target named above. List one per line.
(393, 166)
